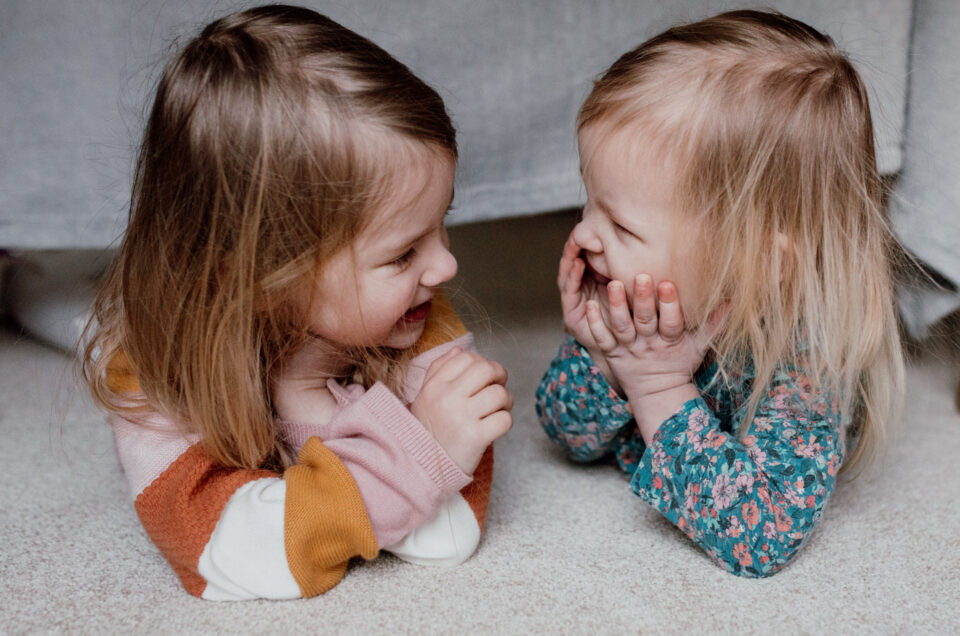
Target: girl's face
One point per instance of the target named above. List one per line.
(629, 224)
(378, 293)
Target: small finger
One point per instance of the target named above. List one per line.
(492, 398)
(437, 364)
(620, 321)
(601, 334)
(644, 306)
(670, 322)
(497, 424)
(573, 281)
(480, 374)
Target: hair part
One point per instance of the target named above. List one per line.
(768, 125)
(272, 137)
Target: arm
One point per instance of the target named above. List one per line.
(239, 534)
(580, 411)
(749, 503)
(453, 535)
(444, 532)
(223, 530)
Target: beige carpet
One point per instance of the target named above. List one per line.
(568, 549)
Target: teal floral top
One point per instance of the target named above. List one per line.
(749, 501)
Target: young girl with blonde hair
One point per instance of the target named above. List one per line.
(287, 385)
(732, 333)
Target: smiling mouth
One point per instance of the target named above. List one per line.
(417, 314)
(597, 277)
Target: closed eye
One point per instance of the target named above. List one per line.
(622, 230)
(404, 258)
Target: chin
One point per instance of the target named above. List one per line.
(403, 336)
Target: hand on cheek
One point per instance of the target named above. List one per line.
(575, 293)
(649, 349)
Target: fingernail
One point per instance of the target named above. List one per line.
(644, 283)
(667, 293)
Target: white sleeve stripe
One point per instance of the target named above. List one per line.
(447, 540)
(246, 557)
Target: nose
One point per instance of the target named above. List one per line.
(442, 267)
(585, 235)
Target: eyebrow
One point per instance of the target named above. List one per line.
(402, 245)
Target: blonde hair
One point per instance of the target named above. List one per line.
(768, 126)
(273, 135)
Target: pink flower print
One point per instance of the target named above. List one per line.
(742, 554)
(769, 530)
(745, 481)
(757, 454)
(659, 459)
(738, 466)
(734, 528)
(750, 514)
(750, 440)
(811, 501)
(762, 424)
(697, 442)
(791, 497)
(698, 419)
(808, 449)
(784, 523)
(833, 465)
(764, 495)
(723, 492)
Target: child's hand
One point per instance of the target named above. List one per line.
(650, 351)
(575, 293)
(465, 405)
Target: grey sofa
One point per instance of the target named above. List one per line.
(76, 78)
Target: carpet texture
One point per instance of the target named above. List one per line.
(568, 548)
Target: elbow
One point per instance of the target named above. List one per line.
(758, 560)
(446, 541)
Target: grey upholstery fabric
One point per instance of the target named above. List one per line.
(76, 76)
(926, 206)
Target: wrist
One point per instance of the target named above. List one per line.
(653, 407)
(600, 361)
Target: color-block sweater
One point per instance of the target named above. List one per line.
(372, 478)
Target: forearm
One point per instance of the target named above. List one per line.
(749, 504)
(652, 409)
(578, 408)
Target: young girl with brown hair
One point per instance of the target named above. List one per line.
(732, 333)
(287, 385)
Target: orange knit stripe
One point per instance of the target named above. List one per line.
(477, 492)
(443, 325)
(325, 520)
(120, 377)
(180, 509)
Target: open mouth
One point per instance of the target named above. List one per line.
(417, 314)
(597, 277)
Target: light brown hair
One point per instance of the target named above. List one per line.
(272, 136)
(768, 126)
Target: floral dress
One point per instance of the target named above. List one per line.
(750, 500)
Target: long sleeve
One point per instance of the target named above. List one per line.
(580, 411)
(749, 502)
(222, 530)
(445, 531)
(370, 477)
